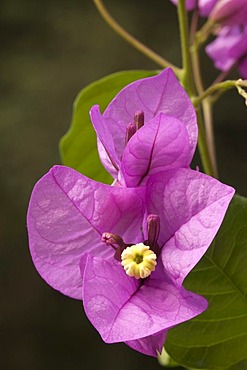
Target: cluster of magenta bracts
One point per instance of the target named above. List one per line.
(230, 45)
(160, 219)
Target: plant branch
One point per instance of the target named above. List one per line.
(193, 26)
(219, 87)
(186, 78)
(132, 40)
(188, 83)
(206, 109)
(203, 34)
(203, 146)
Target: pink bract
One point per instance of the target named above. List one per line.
(230, 12)
(154, 95)
(230, 48)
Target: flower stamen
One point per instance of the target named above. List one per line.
(133, 127)
(153, 223)
(139, 119)
(114, 241)
(130, 131)
(138, 260)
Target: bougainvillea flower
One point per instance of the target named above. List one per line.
(230, 12)
(230, 48)
(150, 102)
(77, 224)
(125, 250)
(204, 6)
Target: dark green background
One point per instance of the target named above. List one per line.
(49, 51)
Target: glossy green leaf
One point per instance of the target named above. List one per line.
(78, 146)
(217, 339)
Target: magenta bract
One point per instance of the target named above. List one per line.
(70, 218)
(230, 12)
(157, 97)
(230, 46)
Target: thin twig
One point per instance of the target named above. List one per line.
(186, 79)
(193, 26)
(132, 40)
(206, 108)
(219, 87)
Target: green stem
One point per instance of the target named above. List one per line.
(132, 40)
(206, 109)
(186, 78)
(187, 81)
(203, 147)
(203, 34)
(221, 86)
(209, 133)
(193, 26)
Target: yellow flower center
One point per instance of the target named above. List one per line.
(138, 260)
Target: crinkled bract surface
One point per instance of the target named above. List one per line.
(68, 213)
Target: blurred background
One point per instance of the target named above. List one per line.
(50, 50)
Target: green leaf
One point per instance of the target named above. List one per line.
(217, 339)
(239, 366)
(78, 148)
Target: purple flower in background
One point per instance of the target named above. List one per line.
(125, 250)
(204, 6)
(229, 48)
(230, 12)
